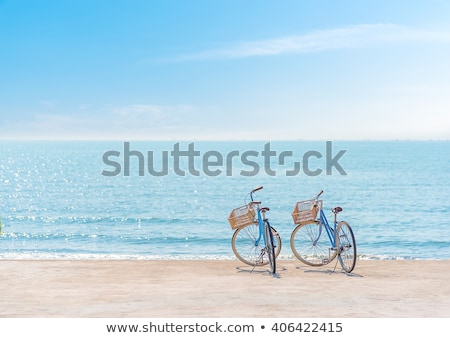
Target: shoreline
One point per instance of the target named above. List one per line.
(225, 258)
(223, 289)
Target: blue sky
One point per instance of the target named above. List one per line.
(201, 70)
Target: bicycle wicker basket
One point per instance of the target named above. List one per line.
(241, 216)
(306, 211)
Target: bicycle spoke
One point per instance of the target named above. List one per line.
(309, 247)
(347, 246)
(270, 247)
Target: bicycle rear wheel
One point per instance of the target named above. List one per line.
(245, 249)
(270, 247)
(346, 243)
(311, 245)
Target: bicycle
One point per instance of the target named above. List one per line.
(309, 243)
(255, 242)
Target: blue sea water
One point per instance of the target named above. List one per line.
(69, 200)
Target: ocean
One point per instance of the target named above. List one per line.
(171, 200)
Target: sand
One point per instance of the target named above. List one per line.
(222, 289)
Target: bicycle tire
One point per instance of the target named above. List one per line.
(244, 248)
(270, 247)
(308, 249)
(345, 241)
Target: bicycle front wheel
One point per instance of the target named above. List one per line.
(244, 245)
(346, 243)
(270, 247)
(311, 245)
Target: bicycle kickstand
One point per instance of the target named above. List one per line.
(335, 265)
(258, 260)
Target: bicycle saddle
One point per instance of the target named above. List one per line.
(336, 210)
(265, 209)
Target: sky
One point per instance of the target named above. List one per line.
(224, 70)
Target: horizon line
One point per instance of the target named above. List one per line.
(225, 140)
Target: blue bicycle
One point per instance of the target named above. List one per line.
(254, 242)
(315, 242)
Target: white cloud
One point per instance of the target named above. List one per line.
(134, 121)
(379, 122)
(320, 40)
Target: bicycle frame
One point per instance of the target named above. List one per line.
(329, 230)
(262, 234)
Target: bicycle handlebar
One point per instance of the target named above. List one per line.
(320, 193)
(255, 190)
